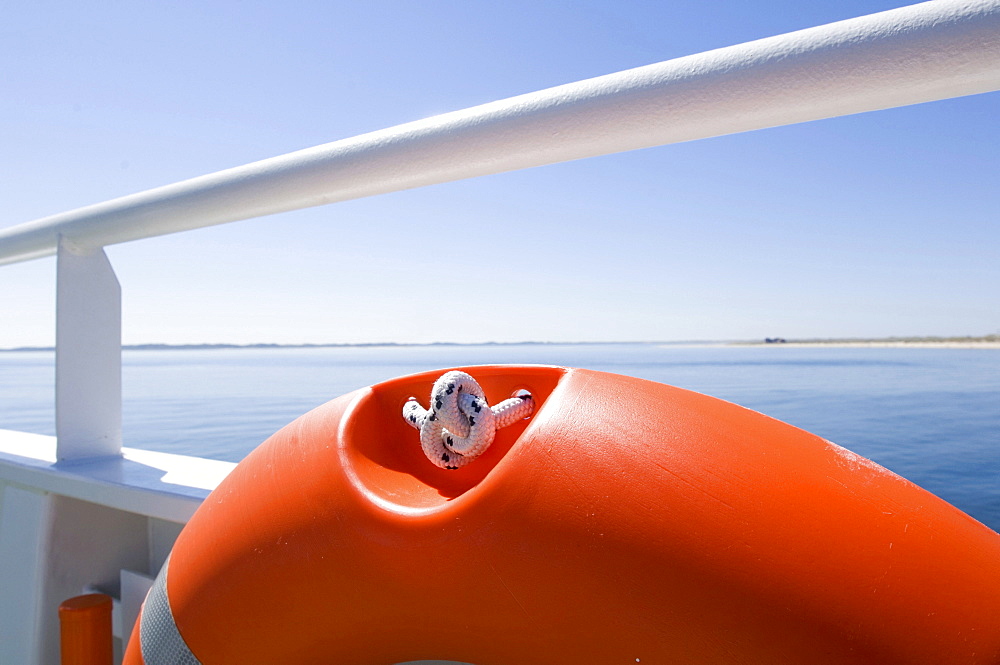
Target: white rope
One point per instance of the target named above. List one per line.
(460, 425)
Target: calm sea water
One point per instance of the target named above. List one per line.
(931, 415)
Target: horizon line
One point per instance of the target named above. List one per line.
(158, 346)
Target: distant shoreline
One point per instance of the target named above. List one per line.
(984, 342)
(356, 345)
(882, 345)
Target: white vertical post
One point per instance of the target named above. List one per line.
(88, 355)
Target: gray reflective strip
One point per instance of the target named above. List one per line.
(161, 642)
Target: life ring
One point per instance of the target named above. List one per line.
(624, 522)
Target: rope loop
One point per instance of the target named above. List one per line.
(460, 425)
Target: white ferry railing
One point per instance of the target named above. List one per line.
(925, 52)
(934, 50)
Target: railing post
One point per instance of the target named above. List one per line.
(88, 355)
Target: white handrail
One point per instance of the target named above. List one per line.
(934, 50)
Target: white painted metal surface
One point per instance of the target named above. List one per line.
(104, 523)
(160, 485)
(58, 545)
(934, 50)
(24, 518)
(88, 355)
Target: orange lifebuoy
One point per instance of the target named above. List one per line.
(625, 522)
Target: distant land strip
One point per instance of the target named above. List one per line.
(344, 345)
(982, 341)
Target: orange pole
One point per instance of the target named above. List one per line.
(85, 630)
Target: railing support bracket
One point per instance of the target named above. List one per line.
(88, 355)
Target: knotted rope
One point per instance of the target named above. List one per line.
(460, 425)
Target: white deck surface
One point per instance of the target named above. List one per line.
(161, 485)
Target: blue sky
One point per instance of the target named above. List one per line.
(869, 225)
